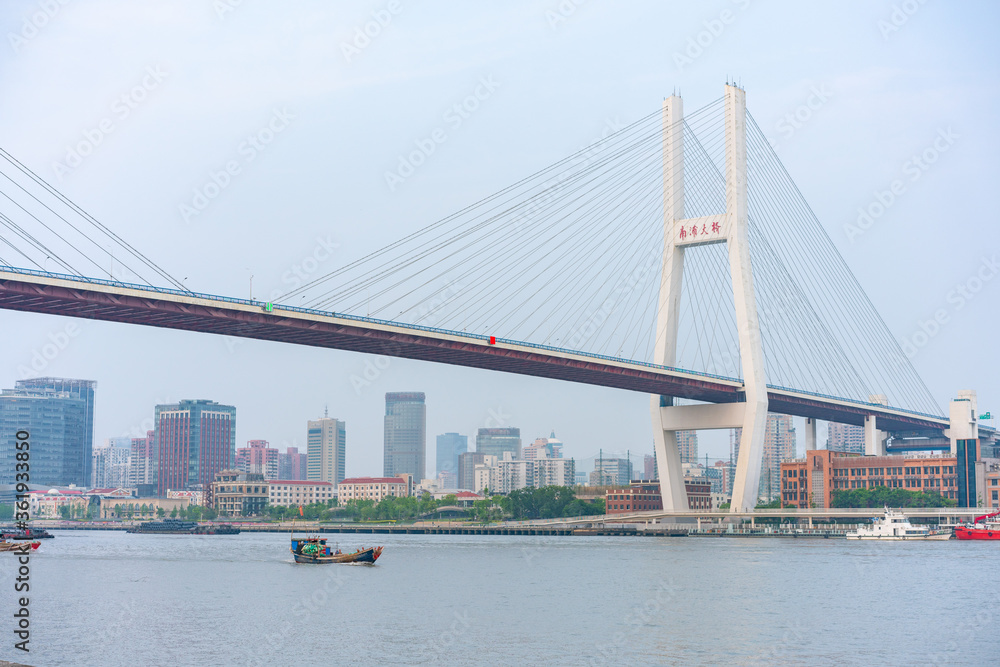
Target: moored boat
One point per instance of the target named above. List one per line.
(25, 534)
(315, 550)
(896, 526)
(982, 528)
(20, 547)
(178, 527)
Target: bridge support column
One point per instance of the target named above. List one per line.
(810, 433)
(874, 438)
(730, 228)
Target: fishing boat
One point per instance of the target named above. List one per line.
(985, 527)
(895, 526)
(316, 551)
(20, 547)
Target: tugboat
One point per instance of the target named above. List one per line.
(178, 527)
(980, 529)
(314, 550)
(25, 534)
(895, 526)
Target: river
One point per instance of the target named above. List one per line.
(109, 598)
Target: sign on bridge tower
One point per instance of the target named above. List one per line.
(680, 233)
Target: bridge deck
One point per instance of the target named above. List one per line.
(38, 292)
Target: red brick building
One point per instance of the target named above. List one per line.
(644, 496)
(810, 482)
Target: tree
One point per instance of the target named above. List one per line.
(64, 511)
(160, 512)
(173, 513)
(209, 513)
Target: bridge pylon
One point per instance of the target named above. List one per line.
(680, 233)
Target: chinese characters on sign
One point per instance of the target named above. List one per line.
(694, 231)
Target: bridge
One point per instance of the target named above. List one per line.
(555, 277)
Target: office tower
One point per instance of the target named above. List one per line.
(195, 439)
(326, 450)
(449, 447)
(110, 464)
(59, 415)
(687, 445)
(293, 466)
(845, 438)
(257, 457)
(467, 463)
(496, 441)
(142, 463)
(405, 435)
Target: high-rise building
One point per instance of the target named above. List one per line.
(59, 415)
(326, 449)
(257, 457)
(195, 440)
(845, 438)
(611, 472)
(649, 471)
(496, 441)
(467, 463)
(449, 447)
(142, 463)
(292, 465)
(110, 464)
(405, 446)
(779, 445)
(550, 448)
(687, 445)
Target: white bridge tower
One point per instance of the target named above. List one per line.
(680, 233)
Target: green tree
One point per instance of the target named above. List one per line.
(173, 513)
(209, 513)
(160, 512)
(64, 511)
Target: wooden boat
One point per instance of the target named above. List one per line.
(315, 550)
(21, 547)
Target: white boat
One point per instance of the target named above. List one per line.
(895, 526)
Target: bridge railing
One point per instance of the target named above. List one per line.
(356, 318)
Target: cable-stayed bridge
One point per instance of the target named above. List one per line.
(676, 258)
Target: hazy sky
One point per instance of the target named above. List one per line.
(849, 92)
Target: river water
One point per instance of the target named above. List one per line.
(109, 598)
